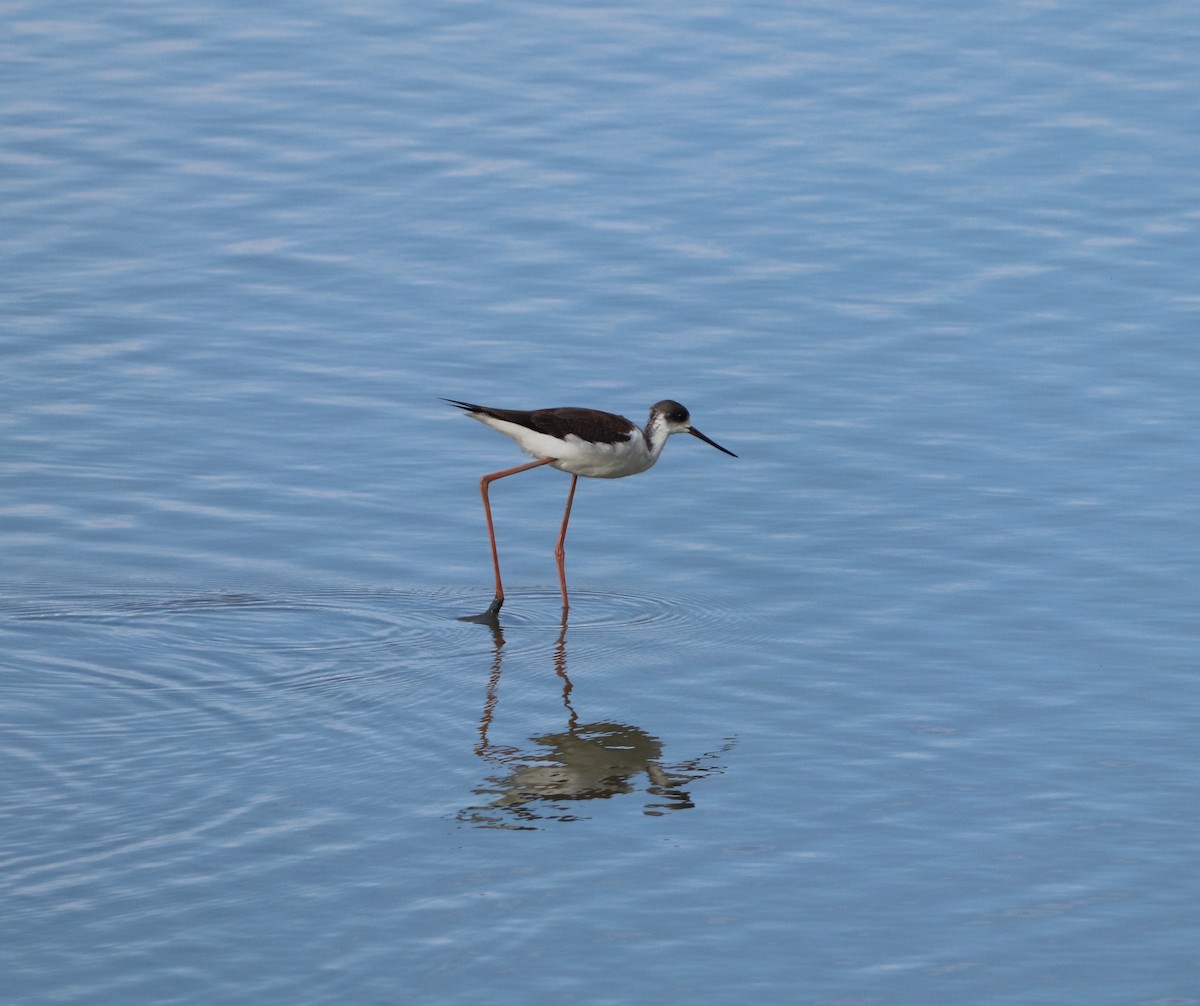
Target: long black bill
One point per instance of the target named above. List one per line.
(712, 443)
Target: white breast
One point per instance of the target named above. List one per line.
(576, 456)
(602, 461)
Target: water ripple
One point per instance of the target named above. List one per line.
(600, 609)
(167, 664)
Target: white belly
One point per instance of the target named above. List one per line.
(601, 461)
(579, 457)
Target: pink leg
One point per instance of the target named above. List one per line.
(487, 512)
(560, 553)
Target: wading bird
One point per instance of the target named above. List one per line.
(598, 445)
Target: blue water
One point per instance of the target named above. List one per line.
(899, 707)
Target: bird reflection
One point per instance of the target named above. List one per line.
(548, 780)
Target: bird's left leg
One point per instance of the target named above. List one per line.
(560, 553)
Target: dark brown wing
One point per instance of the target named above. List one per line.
(589, 424)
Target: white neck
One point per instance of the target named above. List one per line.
(656, 434)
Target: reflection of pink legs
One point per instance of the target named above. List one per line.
(487, 512)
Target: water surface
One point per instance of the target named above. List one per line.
(898, 707)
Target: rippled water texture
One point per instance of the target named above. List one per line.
(897, 707)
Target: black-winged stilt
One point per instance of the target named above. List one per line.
(598, 445)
